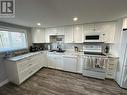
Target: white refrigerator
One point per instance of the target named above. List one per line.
(121, 77)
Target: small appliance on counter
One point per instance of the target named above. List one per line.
(76, 49)
(35, 48)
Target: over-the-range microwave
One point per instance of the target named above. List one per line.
(94, 37)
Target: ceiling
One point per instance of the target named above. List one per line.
(52, 13)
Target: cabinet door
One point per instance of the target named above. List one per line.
(51, 62)
(55, 61)
(69, 63)
(38, 35)
(44, 59)
(111, 68)
(47, 35)
(125, 23)
(108, 29)
(59, 62)
(60, 30)
(88, 29)
(80, 64)
(78, 34)
(68, 30)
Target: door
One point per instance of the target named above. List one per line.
(69, 63)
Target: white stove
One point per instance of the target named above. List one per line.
(94, 62)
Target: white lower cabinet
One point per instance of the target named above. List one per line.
(55, 61)
(111, 68)
(80, 64)
(19, 71)
(70, 63)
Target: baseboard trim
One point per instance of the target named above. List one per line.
(4, 82)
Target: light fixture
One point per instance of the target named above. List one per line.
(75, 19)
(38, 24)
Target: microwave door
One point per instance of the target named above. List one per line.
(92, 38)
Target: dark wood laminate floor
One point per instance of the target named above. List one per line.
(54, 82)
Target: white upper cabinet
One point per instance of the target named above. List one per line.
(53, 31)
(60, 30)
(47, 35)
(78, 33)
(108, 30)
(88, 28)
(38, 35)
(75, 33)
(125, 23)
(68, 31)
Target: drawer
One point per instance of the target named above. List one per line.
(22, 66)
(27, 73)
(111, 68)
(24, 75)
(110, 74)
(110, 71)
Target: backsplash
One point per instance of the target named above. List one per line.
(71, 46)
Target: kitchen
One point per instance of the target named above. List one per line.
(60, 55)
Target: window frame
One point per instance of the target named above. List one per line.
(19, 30)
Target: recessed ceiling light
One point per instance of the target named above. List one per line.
(75, 19)
(38, 24)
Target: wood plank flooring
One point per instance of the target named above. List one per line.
(54, 82)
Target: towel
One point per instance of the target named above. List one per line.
(101, 62)
(88, 63)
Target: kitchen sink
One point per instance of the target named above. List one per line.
(60, 51)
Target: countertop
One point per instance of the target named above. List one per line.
(18, 58)
(67, 53)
